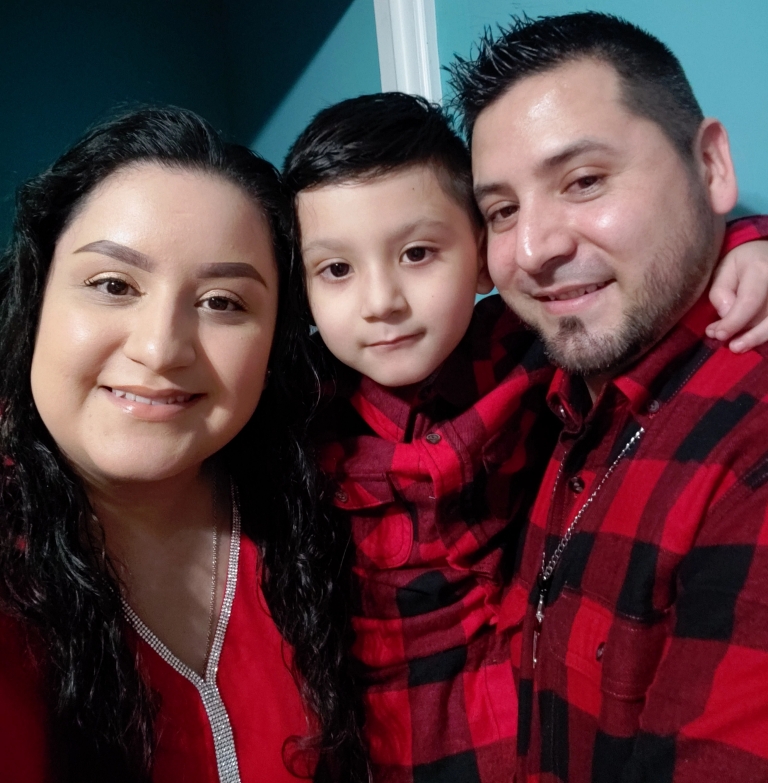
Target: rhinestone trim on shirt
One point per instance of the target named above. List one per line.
(223, 739)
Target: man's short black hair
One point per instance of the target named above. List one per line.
(374, 135)
(653, 83)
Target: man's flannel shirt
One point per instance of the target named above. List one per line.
(437, 483)
(653, 651)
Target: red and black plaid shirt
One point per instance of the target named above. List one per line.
(653, 652)
(437, 483)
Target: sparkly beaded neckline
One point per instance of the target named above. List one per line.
(223, 739)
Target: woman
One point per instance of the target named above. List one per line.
(143, 495)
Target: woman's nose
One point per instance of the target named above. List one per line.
(162, 336)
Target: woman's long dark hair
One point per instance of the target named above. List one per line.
(55, 575)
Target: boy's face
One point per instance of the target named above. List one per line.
(392, 265)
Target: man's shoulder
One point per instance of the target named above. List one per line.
(723, 407)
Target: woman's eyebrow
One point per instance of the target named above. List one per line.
(119, 252)
(135, 258)
(231, 269)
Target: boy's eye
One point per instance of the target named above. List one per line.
(416, 253)
(338, 269)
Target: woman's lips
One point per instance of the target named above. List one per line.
(160, 406)
(163, 400)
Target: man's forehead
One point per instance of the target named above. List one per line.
(576, 105)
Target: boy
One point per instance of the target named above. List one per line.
(437, 436)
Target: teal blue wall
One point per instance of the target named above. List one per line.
(66, 63)
(722, 46)
(346, 65)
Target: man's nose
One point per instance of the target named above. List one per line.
(382, 295)
(163, 335)
(543, 237)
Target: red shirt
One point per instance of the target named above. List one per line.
(652, 659)
(436, 483)
(255, 684)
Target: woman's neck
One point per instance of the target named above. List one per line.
(160, 539)
(156, 509)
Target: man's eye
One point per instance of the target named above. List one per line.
(585, 183)
(502, 213)
(339, 269)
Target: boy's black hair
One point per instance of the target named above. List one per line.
(653, 83)
(374, 135)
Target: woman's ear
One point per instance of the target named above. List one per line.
(713, 153)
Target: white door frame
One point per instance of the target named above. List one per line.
(406, 32)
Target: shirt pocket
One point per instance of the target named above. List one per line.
(609, 660)
(382, 528)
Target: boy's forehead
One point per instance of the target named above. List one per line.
(387, 201)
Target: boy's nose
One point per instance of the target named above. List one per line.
(382, 297)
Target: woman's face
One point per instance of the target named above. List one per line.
(156, 324)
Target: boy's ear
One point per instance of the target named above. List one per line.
(484, 282)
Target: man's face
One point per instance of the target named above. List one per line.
(599, 234)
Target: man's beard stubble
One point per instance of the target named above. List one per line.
(670, 286)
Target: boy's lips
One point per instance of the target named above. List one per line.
(396, 341)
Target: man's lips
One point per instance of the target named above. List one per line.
(572, 292)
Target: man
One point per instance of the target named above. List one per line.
(641, 598)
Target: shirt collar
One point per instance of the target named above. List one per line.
(390, 411)
(651, 381)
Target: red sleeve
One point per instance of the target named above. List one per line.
(743, 230)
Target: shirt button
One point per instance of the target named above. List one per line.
(341, 496)
(561, 412)
(576, 484)
(653, 406)
(433, 438)
(600, 650)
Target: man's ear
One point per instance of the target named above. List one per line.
(713, 154)
(484, 282)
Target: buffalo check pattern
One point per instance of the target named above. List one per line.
(653, 653)
(436, 484)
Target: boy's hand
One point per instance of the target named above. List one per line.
(739, 293)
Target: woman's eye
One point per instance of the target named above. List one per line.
(416, 253)
(221, 304)
(338, 269)
(113, 286)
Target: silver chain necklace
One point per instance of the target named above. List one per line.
(548, 568)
